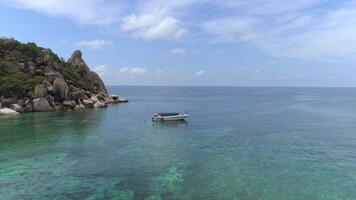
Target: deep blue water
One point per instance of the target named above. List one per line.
(238, 143)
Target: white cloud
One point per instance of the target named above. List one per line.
(94, 44)
(133, 71)
(296, 29)
(268, 7)
(97, 12)
(231, 29)
(303, 29)
(199, 73)
(155, 25)
(100, 69)
(153, 21)
(178, 51)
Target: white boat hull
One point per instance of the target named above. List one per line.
(171, 118)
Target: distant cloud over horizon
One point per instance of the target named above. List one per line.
(199, 73)
(303, 30)
(178, 51)
(94, 44)
(134, 71)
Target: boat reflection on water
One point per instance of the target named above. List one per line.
(173, 124)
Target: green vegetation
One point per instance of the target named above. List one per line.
(15, 83)
(70, 74)
(17, 51)
(29, 50)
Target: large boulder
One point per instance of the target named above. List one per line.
(88, 103)
(104, 98)
(69, 104)
(28, 107)
(41, 105)
(51, 74)
(51, 100)
(39, 61)
(79, 64)
(21, 102)
(8, 111)
(100, 105)
(94, 99)
(78, 94)
(79, 107)
(40, 91)
(48, 86)
(82, 68)
(7, 102)
(46, 57)
(17, 108)
(31, 70)
(58, 107)
(95, 81)
(60, 89)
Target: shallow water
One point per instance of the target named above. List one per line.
(239, 143)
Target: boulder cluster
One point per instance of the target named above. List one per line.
(58, 91)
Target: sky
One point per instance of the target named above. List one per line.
(196, 42)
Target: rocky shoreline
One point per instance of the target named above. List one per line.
(54, 84)
(43, 105)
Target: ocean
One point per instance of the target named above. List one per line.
(243, 143)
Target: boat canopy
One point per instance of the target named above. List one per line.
(168, 114)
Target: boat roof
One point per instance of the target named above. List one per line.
(168, 114)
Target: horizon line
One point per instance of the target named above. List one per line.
(237, 86)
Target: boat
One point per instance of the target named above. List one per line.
(169, 116)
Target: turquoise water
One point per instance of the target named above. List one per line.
(239, 143)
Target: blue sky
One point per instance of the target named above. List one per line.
(196, 42)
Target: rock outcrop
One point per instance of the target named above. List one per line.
(99, 105)
(96, 82)
(8, 111)
(78, 94)
(17, 108)
(91, 77)
(69, 104)
(41, 81)
(40, 91)
(60, 89)
(88, 103)
(41, 105)
(79, 64)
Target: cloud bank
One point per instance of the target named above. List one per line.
(133, 71)
(303, 29)
(96, 12)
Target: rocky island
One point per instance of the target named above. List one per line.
(34, 79)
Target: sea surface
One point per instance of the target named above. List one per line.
(240, 143)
